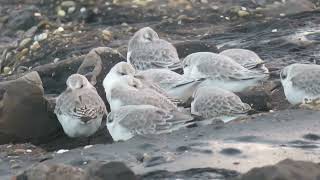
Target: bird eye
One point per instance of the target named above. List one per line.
(110, 120)
(122, 73)
(283, 75)
(81, 86)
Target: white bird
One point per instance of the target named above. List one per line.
(246, 58)
(301, 82)
(220, 71)
(216, 103)
(129, 91)
(128, 121)
(147, 51)
(79, 108)
(123, 69)
(174, 84)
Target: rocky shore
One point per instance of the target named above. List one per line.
(43, 42)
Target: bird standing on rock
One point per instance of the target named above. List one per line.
(79, 108)
(147, 51)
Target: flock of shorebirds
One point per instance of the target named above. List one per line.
(144, 93)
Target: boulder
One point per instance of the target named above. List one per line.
(23, 111)
(287, 169)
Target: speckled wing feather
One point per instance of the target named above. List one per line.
(142, 96)
(215, 102)
(83, 104)
(226, 69)
(308, 81)
(150, 120)
(156, 54)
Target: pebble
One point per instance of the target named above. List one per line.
(36, 14)
(274, 30)
(29, 151)
(83, 9)
(107, 35)
(59, 30)
(56, 60)
(61, 151)
(242, 13)
(71, 10)
(68, 4)
(61, 13)
(6, 70)
(24, 52)
(282, 14)
(87, 146)
(19, 151)
(41, 37)
(204, 1)
(25, 42)
(35, 46)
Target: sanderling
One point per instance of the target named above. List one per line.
(246, 58)
(131, 120)
(79, 108)
(301, 82)
(128, 91)
(215, 103)
(174, 84)
(220, 71)
(122, 69)
(146, 50)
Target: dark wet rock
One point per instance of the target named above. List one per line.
(259, 100)
(21, 20)
(188, 47)
(52, 172)
(24, 115)
(285, 170)
(312, 137)
(230, 151)
(191, 174)
(110, 171)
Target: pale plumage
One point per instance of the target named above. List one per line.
(246, 58)
(147, 51)
(79, 108)
(123, 69)
(174, 84)
(220, 71)
(301, 82)
(128, 91)
(216, 103)
(131, 120)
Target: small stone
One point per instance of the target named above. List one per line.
(88, 146)
(25, 42)
(61, 151)
(29, 151)
(56, 60)
(243, 8)
(19, 151)
(282, 14)
(274, 30)
(83, 9)
(6, 70)
(61, 13)
(107, 35)
(68, 4)
(41, 37)
(215, 7)
(35, 46)
(36, 14)
(59, 30)
(242, 13)
(71, 9)
(24, 52)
